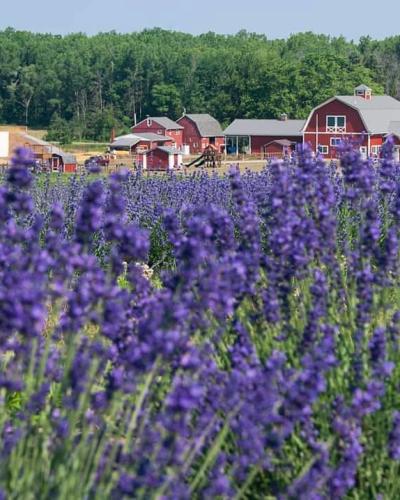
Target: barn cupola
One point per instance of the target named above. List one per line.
(364, 92)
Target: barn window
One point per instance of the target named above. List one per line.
(324, 150)
(375, 150)
(335, 123)
(335, 141)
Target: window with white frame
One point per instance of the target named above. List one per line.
(335, 123)
(336, 141)
(375, 150)
(324, 150)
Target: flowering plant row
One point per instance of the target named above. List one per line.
(201, 337)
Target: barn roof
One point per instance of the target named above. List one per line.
(394, 128)
(149, 136)
(207, 125)
(50, 148)
(125, 141)
(376, 113)
(164, 121)
(281, 142)
(169, 150)
(362, 87)
(265, 127)
(130, 140)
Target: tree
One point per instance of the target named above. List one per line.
(23, 87)
(59, 130)
(166, 100)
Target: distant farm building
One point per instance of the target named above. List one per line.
(363, 118)
(137, 143)
(201, 131)
(162, 126)
(279, 148)
(160, 158)
(47, 155)
(254, 136)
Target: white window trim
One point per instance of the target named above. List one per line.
(323, 149)
(336, 128)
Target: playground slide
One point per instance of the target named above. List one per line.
(197, 162)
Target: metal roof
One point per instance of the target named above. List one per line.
(130, 140)
(362, 87)
(125, 141)
(164, 121)
(394, 128)
(50, 148)
(207, 125)
(149, 136)
(265, 127)
(281, 142)
(377, 113)
(168, 150)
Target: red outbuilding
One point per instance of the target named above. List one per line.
(160, 125)
(363, 118)
(160, 158)
(201, 131)
(279, 148)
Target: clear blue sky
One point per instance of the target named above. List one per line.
(275, 18)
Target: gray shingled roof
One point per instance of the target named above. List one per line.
(164, 121)
(265, 127)
(207, 125)
(377, 113)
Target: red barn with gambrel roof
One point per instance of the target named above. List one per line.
(160, 125)
(201, 131)
(362, 117)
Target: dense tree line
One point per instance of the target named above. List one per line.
(80, 86)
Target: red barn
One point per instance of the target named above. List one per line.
(201, 131)
(252, 136)
(160, 125)
(362, 117)
(161, 158)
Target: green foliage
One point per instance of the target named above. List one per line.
(96, 83)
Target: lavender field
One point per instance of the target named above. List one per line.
(202, 337)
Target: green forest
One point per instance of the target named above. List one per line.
(80, 87)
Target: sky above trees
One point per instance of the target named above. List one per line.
(270, 17)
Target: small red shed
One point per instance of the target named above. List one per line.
(201, 131)
(160, 158)
(279, 148)
(160, 125)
